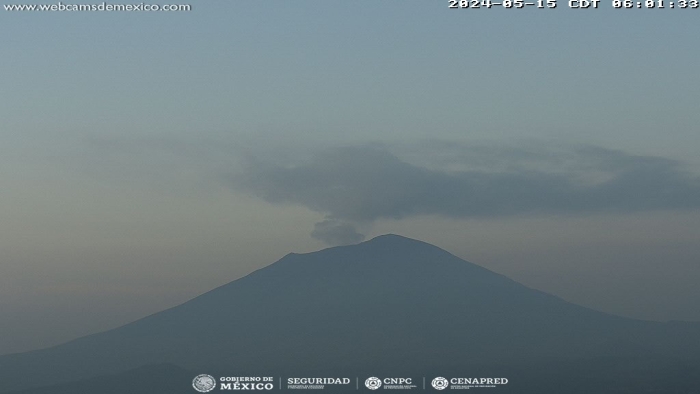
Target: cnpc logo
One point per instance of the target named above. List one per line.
(374, 382)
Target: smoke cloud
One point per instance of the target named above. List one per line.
(361, 184)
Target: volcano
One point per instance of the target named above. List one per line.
(391, 306)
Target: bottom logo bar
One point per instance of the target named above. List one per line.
(205, 383)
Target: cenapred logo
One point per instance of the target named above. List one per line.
(373, 383)
(204, 383)
(440, 383)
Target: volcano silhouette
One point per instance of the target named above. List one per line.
(391, 306)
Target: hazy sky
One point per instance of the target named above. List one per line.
(146, 158)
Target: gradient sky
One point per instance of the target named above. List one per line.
(146, 158)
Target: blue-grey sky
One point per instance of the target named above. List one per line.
(148, 157)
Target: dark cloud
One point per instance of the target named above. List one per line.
(361, 184)
(356, 185)
(335, 232)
